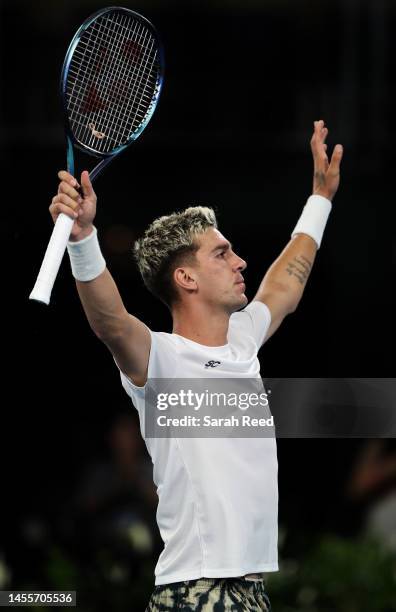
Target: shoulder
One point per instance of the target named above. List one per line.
(162, 362)
(254, 320)
(254, 310)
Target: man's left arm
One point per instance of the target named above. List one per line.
(283, 285)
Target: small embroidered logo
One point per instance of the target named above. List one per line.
(212, 364)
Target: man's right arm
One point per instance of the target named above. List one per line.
(127, 338)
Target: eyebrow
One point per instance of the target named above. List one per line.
(224, 245)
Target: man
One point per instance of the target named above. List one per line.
(217, 509)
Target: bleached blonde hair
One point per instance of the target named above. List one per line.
(170, 242)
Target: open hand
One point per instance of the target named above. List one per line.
(326, 175)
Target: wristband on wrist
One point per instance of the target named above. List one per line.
(314, 218)
(87, 261)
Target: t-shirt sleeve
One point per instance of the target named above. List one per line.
(253, 320)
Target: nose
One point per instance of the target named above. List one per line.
(240, 264)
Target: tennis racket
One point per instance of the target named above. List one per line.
(110, 85)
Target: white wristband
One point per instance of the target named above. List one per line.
(314, 218)
(87, 261)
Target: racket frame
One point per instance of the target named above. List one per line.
(71, 140)
(61, 233)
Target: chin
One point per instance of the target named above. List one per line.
(240, 303)
(244, 300)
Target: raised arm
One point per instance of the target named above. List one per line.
(283, 285)
(126, 336)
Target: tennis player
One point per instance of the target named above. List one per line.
(218, 498)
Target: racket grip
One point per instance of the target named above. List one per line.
(52, 259)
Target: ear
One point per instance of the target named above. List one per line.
(185, 278)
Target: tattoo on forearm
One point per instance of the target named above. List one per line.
(300, 267)
(307, 262)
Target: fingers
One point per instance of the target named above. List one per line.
(68, 199)
(68, 178)
(62, 203)
(323, 134)
(68, 185)
(319, 147)
(86, 184)
(65, 187)
(320, 131)
(57, 209)
(319, 136)
(336, 158)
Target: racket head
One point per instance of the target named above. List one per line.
(111, 80)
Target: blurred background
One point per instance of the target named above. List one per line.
(244, 82)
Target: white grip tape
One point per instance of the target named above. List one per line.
(52, 259)
(314, 218)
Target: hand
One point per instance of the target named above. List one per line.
(82, 209)
(326, 176)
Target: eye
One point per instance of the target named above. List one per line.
(221, 254)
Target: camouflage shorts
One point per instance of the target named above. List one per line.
(210, 595)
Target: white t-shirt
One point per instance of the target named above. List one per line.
(218, 498)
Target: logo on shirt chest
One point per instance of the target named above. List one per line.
(212, 364)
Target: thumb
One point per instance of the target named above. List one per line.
(86, 184)
(336, 159)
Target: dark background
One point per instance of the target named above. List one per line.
(244, 82)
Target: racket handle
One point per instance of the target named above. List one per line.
(52, 259)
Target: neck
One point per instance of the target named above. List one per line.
(201, 324)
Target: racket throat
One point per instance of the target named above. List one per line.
(71, 164)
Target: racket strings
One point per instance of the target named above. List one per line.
(119, 84)
(112, 81)
(92, 101)
(87, 88)
(107, 83)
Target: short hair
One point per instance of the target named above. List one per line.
(169, 242)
